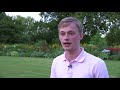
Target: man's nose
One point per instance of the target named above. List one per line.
(66, 37)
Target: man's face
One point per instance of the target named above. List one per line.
(70, 37)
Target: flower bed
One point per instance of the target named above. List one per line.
(114, 51)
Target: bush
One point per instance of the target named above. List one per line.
(103, 55)
(2, 53)
(41, 46)
(55, 52)
(16, 49)
(40, 49)
(13, 53)
(91, 49)
(37, 54)
(115, 57)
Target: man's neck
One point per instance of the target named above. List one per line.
(71, 55)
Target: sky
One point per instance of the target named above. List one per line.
(34, 15)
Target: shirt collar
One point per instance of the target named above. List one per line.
(80, 58)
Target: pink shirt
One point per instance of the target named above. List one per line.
(84, 66)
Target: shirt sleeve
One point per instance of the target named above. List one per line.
(100, 70)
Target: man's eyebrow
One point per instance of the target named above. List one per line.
(70, 31)
(61, 31)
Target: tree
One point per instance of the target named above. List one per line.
(8, 32)
(24, 25)
(98, 41)
(92, 21)
(27, 30)
(113, 34)
(113, 37)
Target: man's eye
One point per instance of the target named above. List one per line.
(62, 33)
(71, 33)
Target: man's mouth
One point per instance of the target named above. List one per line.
(67, 44)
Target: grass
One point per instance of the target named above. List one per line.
(113, 68)
(26, 67)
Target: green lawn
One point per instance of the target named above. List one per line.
(113, 68)
(26, 67)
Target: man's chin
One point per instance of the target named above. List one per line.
(67, 49)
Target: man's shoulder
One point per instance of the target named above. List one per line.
(93, 58)
(59, 58)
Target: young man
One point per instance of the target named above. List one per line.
(75, 62)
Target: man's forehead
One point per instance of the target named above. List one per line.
(67, 30)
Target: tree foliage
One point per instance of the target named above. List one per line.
(9, 33)
(27, 30)
(113, 37)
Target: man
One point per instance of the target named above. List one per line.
(75, 62)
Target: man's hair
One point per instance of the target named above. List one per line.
(68, 20)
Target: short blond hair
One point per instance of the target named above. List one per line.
(68, 20)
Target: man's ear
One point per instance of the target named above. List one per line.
(81, 36)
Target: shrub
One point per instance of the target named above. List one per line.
(55, 52)
(2, 53)
(103, 55)
(14, 53)
(118, 46)
(91, 49)
(41, 46)
(16, 49)
(98, 41)
(115, 57)
(37, 54)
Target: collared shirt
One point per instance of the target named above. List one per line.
(84, 66)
